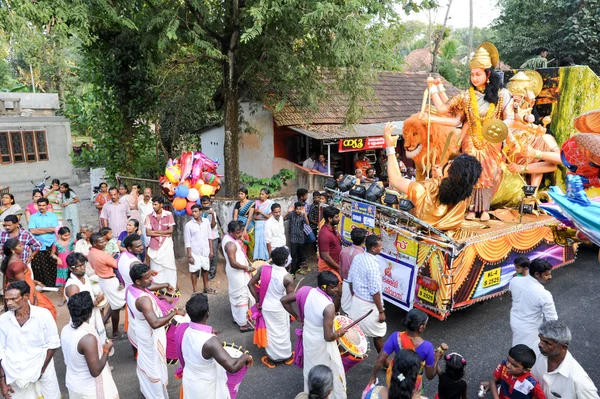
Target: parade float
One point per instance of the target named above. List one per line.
(441, 271)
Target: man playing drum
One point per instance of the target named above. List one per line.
(148, 322)
(204, 361)
(238, 275)
(275, 282)
(317, 311)
(365, 282)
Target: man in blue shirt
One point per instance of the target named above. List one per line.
(43, 226)
(321, 165)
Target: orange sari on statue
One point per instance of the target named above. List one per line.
(18, 271)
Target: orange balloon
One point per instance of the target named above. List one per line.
(179, 203)
(187, 183)
(199, 184)
(206, 189)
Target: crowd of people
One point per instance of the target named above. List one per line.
(128, 265)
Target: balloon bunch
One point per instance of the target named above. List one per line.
(187, 179)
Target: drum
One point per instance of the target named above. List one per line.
(353, 345)
(171, 350)
(234, 379)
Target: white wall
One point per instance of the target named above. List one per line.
(58, 137)
(256, 148)
(212, 146)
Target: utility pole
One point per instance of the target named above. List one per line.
(439, 39)
(470, 32)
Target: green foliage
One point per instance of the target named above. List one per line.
(274, 184)
(566, 27)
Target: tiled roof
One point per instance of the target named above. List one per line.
(396, 97)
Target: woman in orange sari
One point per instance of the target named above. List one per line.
(15, 270)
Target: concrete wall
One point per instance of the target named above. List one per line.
(58, 165)
(224, 210)
(304, 178)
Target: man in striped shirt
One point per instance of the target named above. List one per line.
(537, 62)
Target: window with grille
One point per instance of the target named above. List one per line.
(23, 146)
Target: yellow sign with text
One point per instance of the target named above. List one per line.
(426, 294)
(491, 278)
(407, 247)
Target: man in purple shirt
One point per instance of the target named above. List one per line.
(115, 213)
(321, 165)
(357, 236)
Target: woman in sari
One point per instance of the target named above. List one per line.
(262, 211)
(32, 208)
(244, 212)
(14, 269)
(55, 197)
(9, 207)
(404, 379)
(484, 101)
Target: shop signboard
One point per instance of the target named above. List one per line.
(361, 144)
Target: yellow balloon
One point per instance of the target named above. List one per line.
(593, 192)
(206, 189)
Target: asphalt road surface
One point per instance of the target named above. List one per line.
(481, 333)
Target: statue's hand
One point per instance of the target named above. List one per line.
(390, 141)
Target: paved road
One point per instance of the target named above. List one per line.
(480, 333)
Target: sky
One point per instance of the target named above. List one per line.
(484, 12)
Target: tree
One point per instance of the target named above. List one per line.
(566, 27)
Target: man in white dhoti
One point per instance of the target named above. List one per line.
(366, 282)
(532, 304)
(88, 374)
(238, 272)
(159, 227)
(79, 282)
(28, 341)
(148, 322)
(317, 311)
(273, 331)
(357, 235)
(203, 359)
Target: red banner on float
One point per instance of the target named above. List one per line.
(361, 144)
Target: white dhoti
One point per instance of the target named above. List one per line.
(114, 296)
(200, 263)
(279, 346)
(346, 297)
(370, 325)
(162, 261)
(318, 351)
(152, 369)
(46, 387)
(240, 298)
(525, 333)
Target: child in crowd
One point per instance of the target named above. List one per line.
(522, 266)
(513, 376)
(451, 384)
(112, 247)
